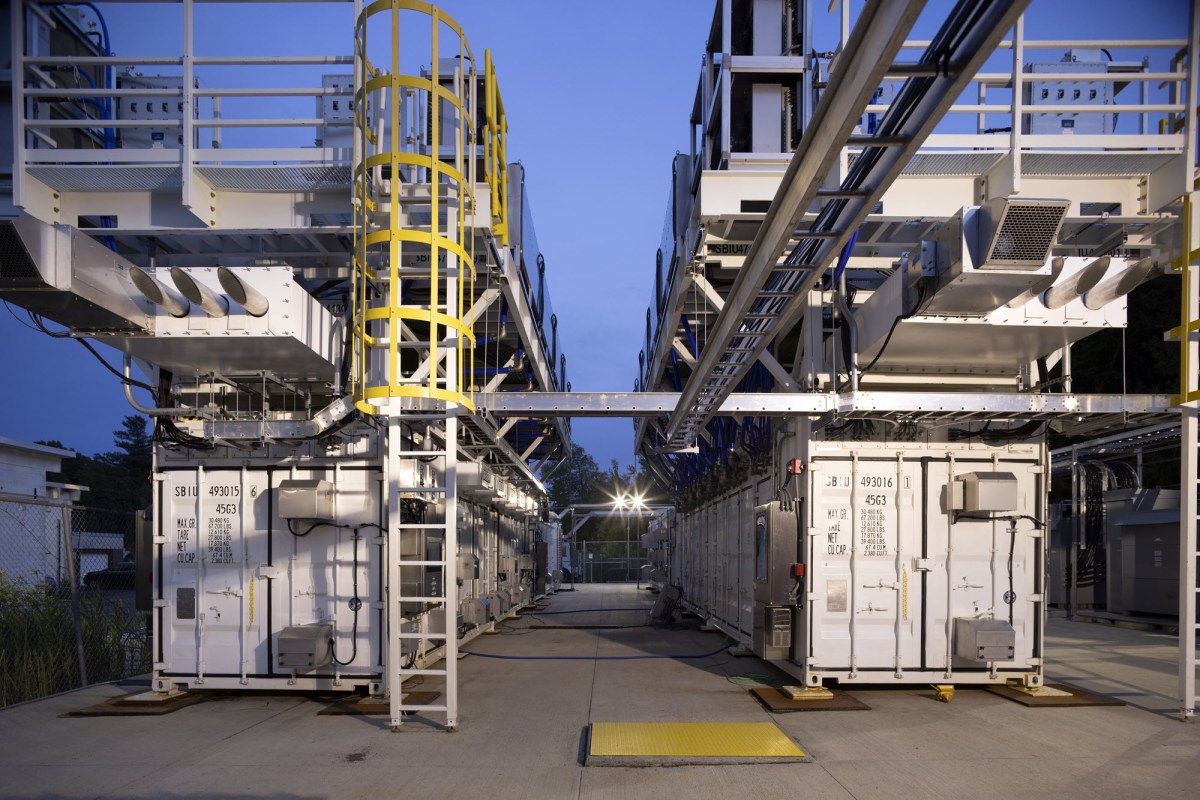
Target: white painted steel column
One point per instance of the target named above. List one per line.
(1187, 561)
(1188, 591)
(17, 27)
(394, 658)
(449, 556)
(852, 595)
(1018, 105)
(901, 574)
(949, 567)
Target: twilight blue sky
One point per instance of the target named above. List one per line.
(598, 96)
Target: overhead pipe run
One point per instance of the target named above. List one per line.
(209, 301)
(245, 295)
(126, 371)
(159, 293)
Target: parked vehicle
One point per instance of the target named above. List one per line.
(118, 576)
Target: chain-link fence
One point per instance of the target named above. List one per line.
(67, 609)
(606, 561)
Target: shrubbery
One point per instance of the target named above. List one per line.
(37, 641)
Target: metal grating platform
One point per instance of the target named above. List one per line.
(251, 178)
(951, 164)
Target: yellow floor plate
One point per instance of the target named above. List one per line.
(717, 739)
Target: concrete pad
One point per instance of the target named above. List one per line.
(522, 726)
(808, 781)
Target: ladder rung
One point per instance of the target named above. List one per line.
(416, 526)
(422, 672)
(419, 635)
(877, 141)
(847, 193)
(818, 234)
(421, 489)
(420, 453)
(405, 563)
(421, 599)
(404, 708)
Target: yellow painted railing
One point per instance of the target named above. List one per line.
(414, 206)
(1189, 315)
(494, 144)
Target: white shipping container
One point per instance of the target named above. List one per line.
(891, 561)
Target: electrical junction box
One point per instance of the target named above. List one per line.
(468, 566)
(508, 567)
(167, 107)
(775, 550)
(1053, 86)
(336, 111)
(474, 611)
(306, 499)
(503, 601)
(525, 561)
(305, 647)
(989, 492)
(984, 640)
(476, 481)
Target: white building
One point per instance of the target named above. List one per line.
(31, 542)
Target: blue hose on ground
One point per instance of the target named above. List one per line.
(719, 650)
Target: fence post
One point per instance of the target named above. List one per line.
(73, 575)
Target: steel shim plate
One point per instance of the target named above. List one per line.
(717, 739)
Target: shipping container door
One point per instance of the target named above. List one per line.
(863, 536)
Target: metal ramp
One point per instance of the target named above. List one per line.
(767, 297)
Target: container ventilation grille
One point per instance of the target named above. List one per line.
(779, 627)
(1025, 233)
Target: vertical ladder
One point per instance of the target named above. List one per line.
(414, 278)
(422, 584)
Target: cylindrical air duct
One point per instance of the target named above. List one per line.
(159, 293)
(1056, 268)
(1078, 284)
(209, 301)
(245, 295)
(1124, 283)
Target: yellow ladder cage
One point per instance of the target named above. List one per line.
(415, 169)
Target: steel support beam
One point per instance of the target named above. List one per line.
(971, 33)
(862, 65)
(863, 404)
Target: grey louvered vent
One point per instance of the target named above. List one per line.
(1024, 233)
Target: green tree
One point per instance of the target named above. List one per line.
(118, 479)
(578, 480)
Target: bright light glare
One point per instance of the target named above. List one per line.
(619, 502)
(639, 502)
